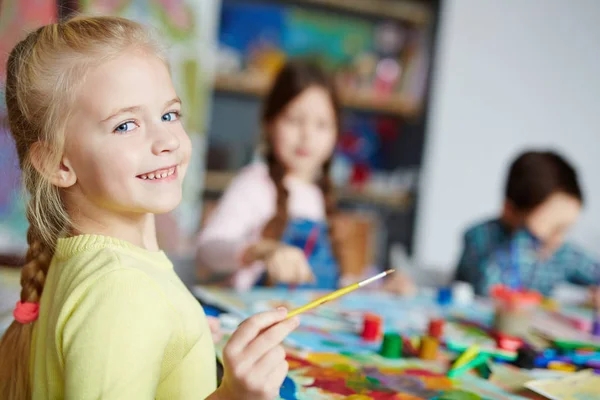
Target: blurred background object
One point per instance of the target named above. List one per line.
(379, 53)
(438, 97)
(509, 76)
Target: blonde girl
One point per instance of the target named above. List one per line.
(95, 119)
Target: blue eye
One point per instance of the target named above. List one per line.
(125, 127)
(170, 116)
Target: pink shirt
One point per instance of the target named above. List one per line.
(243, 211)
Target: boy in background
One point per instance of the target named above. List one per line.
(525, 247)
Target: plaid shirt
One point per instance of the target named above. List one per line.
(493, 254)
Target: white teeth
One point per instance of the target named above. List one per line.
(158, 175)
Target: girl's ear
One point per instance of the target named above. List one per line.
(61, 175)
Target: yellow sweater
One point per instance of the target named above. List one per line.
(117, 323)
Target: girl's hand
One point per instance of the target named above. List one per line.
(287, 264)
(400, 284)
(254, 359)
(215, 328)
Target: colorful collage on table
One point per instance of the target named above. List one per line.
(315, 375)
(329, 358)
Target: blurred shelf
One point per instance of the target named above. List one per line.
(397, 104)
(217, 181)
(410, 11)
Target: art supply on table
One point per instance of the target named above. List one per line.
(429, 348)
(474, 363)
(576, 345)
(596, 325)
(507, 342)
(561, 366)
(497, 354)
(577, 386)
(436, 328)
(484, 370)
(549, 304)
(595, 365)
(466, 357)
(462, 293)
(372, 327)
(338, 293)
(581, 324)
(444, 296)
(229, 322)
(391, 346)
(514, 309)
(526, 357)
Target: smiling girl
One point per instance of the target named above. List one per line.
(102, 314)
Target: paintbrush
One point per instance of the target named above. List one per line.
(337, 293)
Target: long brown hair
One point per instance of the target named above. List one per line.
(293, 79)
(44, 72)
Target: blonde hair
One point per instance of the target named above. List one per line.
(44, 73)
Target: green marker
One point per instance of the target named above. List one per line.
(576, 345)
(479, 360)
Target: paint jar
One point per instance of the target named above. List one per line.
(514, 310)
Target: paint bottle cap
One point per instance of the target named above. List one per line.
(561, 366)
(372, 327)
(596, 327)
(444, 296)
(436, 328)
(391, 346)
(507, 342)
(462, 293)
(429, 348)
(595, 364)
(527, 358)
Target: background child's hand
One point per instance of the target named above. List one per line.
(215, 328)
(399, 283)
(287, 264)
(254, 359)
(595, 297)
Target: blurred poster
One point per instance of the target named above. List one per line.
(17, 18)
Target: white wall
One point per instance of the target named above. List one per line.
(509, 74)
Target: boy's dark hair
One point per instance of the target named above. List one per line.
(536, 175)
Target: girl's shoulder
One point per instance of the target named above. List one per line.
(251, 180)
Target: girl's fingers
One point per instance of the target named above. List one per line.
(250, 329)
(277, 377)
(269, 339)
(266, 365)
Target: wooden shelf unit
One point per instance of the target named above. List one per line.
(395, 104)
(410, 11)
(217, 181)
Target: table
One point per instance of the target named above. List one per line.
(328, 360)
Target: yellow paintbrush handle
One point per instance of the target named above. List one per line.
(324, 299)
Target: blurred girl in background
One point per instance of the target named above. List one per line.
(277, 223)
